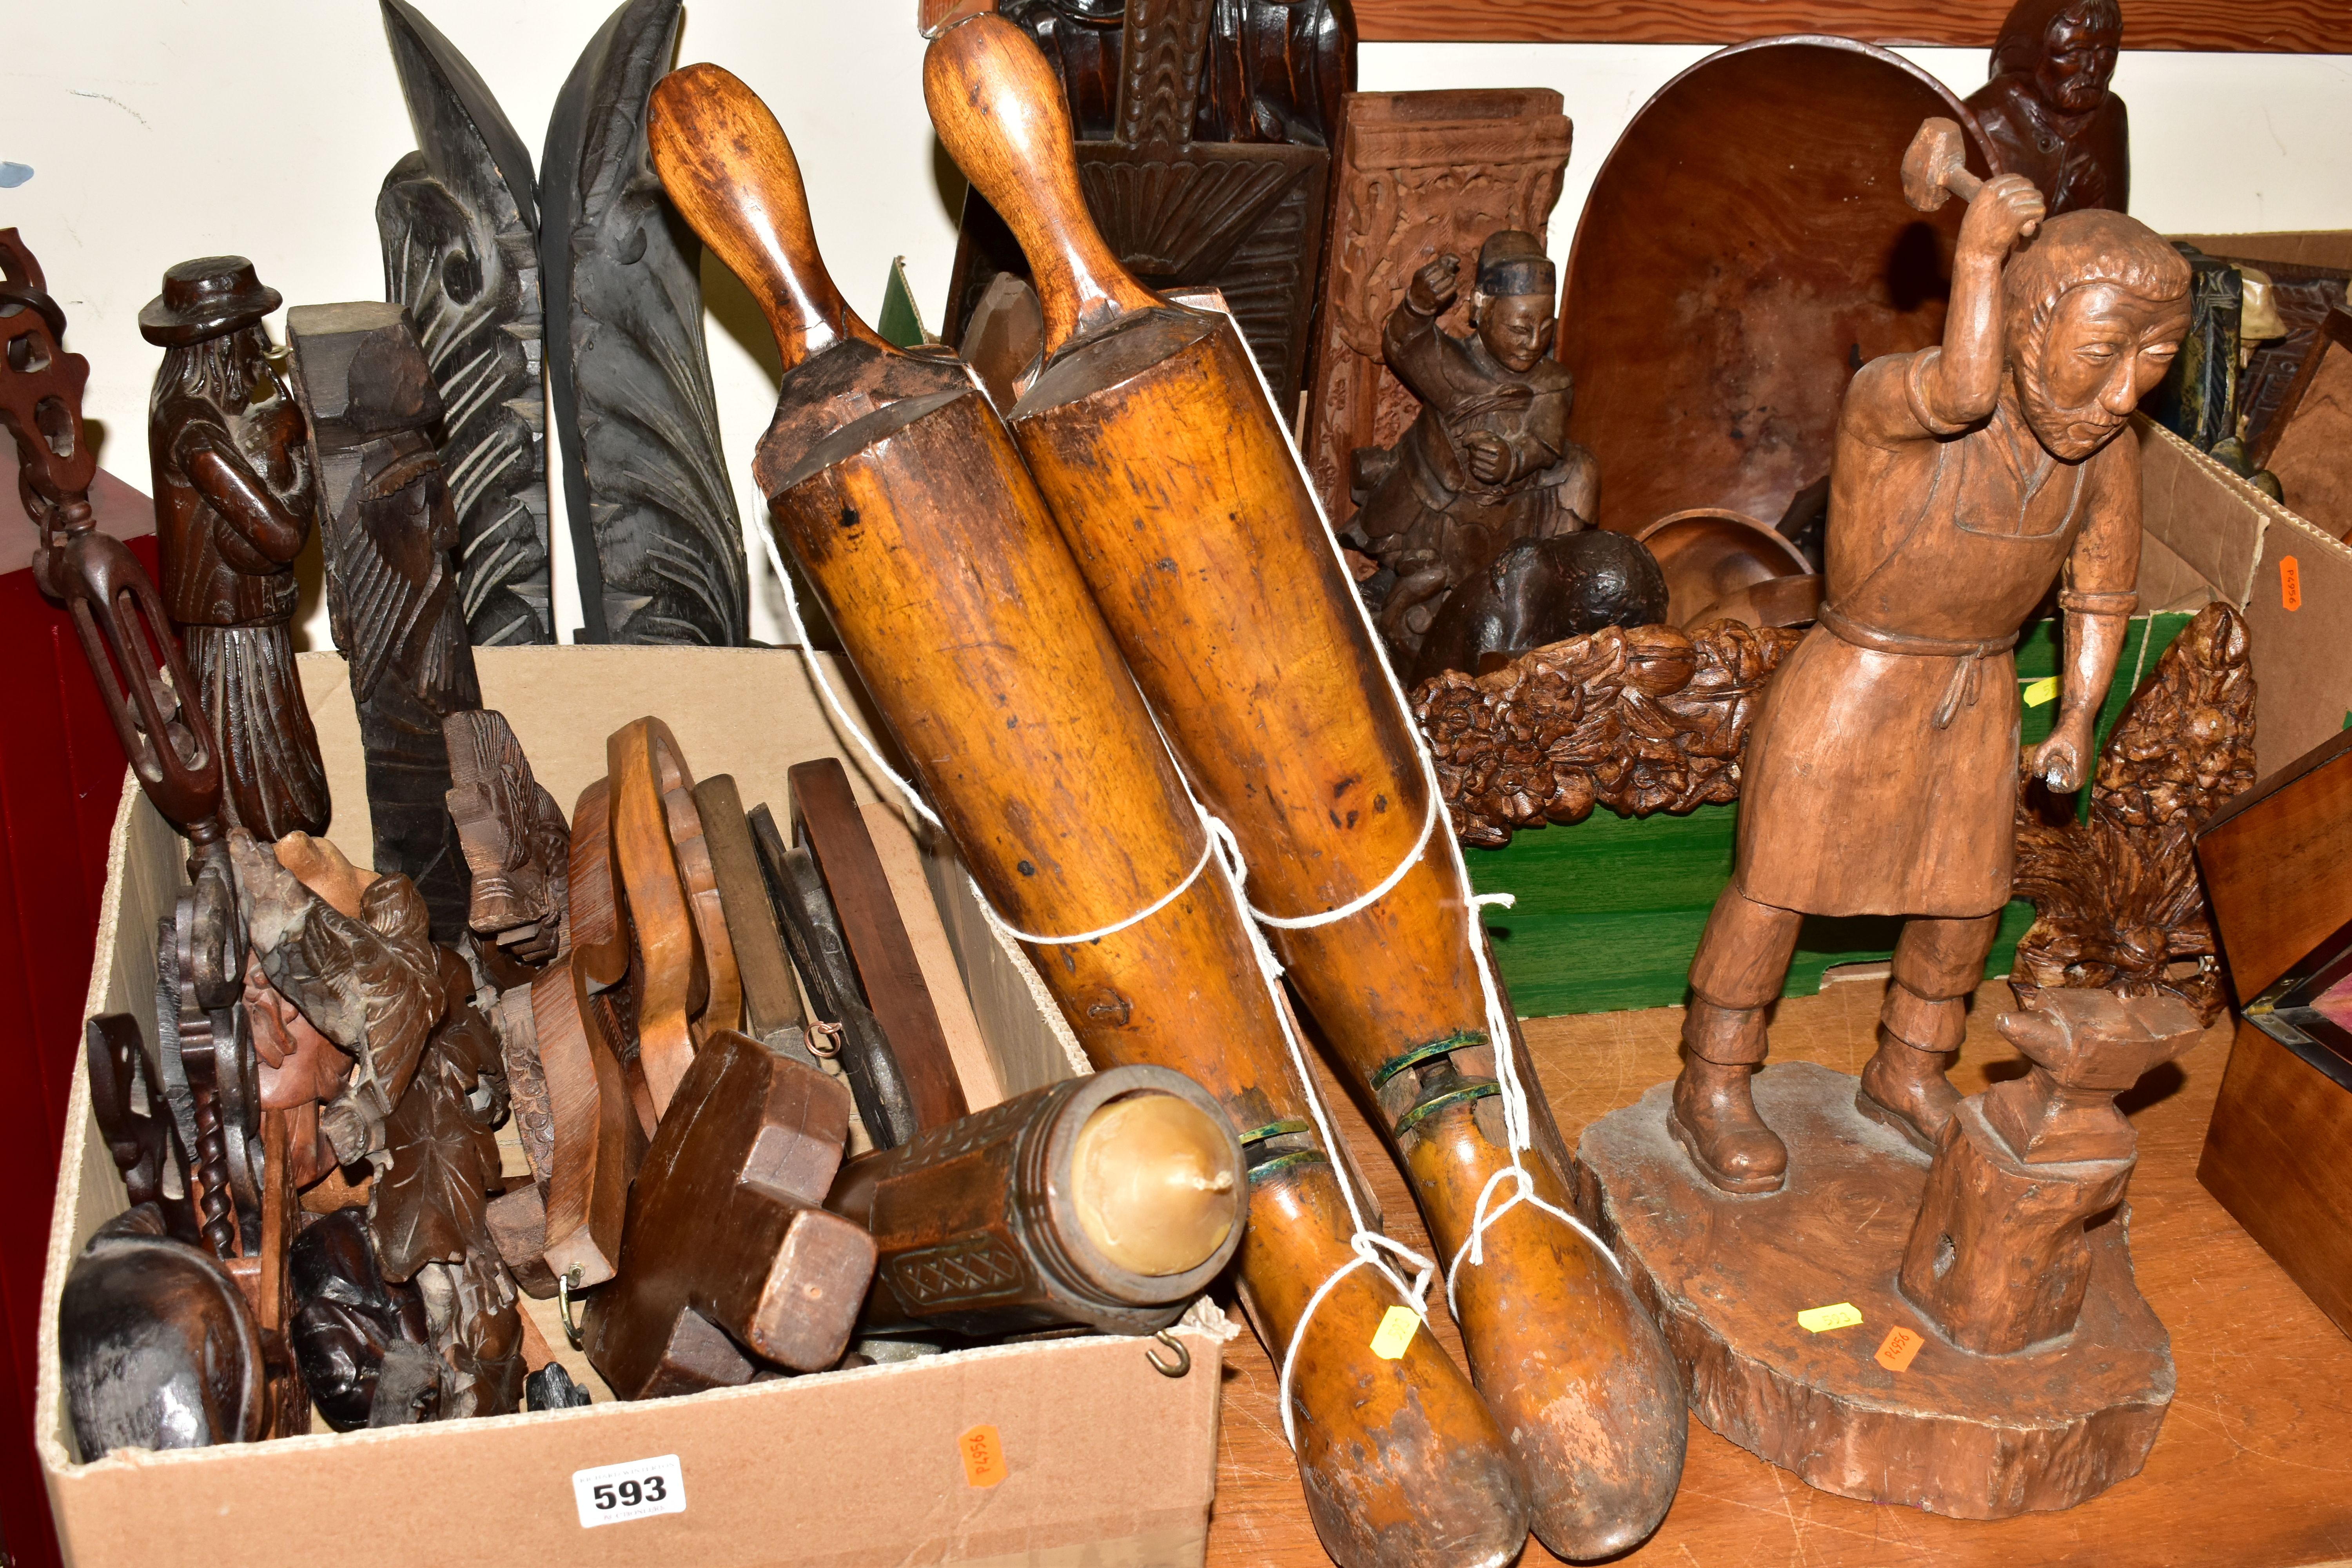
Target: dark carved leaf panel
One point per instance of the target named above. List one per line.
(653, 524)
(459, 221)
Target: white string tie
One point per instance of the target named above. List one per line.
(1363, 1241)
(906, 787)
(1208, 847)
(1363, 901)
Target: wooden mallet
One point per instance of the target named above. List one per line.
(1935, 168)
(727, 1255)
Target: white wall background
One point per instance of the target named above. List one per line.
(156, 132)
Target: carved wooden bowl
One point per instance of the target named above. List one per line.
(1744, 250)
(1715, 559)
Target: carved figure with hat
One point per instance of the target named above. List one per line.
(1487, 463)
(234, 493)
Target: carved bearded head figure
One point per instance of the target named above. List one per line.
(2095, 312)
(2067, 47)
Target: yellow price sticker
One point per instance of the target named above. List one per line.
(1820, 1320)
(2042, 692)
(1396, 1331)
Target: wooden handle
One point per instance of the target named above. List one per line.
(1968, 187)
(1001, 115)
(725, 162)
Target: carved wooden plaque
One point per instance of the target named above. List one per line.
(1202, 130)
(1417, 174)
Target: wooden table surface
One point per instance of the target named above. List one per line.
(2254, 1466)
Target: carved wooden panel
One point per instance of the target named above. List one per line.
(2304, 296)
(459, 223)
(659, 550)
(2117, 903)
(1419, 174)
(1639, 720)
(2282, 26)
(1203, 157)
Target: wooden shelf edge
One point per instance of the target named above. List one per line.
(2285, 27)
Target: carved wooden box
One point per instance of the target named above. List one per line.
(2278, 1154)
(844, 1468)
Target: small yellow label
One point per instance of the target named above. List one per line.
(2042, 692)
(1397, 1326)
(2290, 583)
(1820, 1320)
(1894, 1353)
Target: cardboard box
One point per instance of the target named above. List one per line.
(2290, 248)
(2207, 529)
(1105, 1461)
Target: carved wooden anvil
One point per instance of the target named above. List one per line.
(1998, 1256)
(727, 1254)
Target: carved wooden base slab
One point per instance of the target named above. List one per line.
(1971, 1437)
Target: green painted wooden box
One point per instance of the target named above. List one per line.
(1608, 911)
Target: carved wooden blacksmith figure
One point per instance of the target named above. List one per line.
(234, 488)
(1882, 771)
(2047, 107)
(1488, 462)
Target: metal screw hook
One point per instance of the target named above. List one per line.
(566, 1283)
(1184, 1362)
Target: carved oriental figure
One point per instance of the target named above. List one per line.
(1416, 174)
(349, 948)
(1488, 462)
(352, 955)
(2047, 109)
(517, 844)
(234, 497)
(1881, 774)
